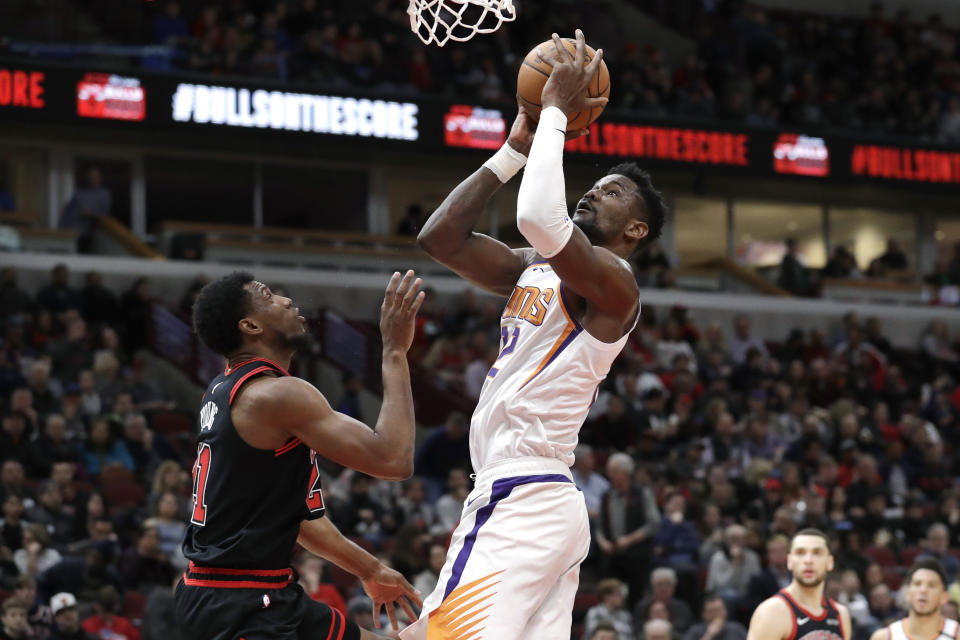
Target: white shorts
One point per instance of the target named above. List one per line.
(513, 565)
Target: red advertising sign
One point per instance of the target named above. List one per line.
(801, 155)
(20, 88)
(474, 127)
(664, 143)
(111, 97)
(899, 163)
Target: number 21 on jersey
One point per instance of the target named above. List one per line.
(201, 476)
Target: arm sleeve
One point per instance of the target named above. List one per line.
(541, 204)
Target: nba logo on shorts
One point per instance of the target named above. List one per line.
(266, 601)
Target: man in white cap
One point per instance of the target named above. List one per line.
(66, 620)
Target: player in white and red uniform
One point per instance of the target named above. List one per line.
(513, 564)
(926, 586)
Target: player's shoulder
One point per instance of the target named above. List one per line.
(267, 393)
(771, 619)
(622, 270)
(528, 256)
(622, 264)
(883, 633)
(774, 605)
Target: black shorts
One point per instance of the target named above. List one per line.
(268, 612)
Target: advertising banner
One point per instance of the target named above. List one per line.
(249, 114)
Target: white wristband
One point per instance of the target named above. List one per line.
(506, 162)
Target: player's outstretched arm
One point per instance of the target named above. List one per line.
(591, 272)
(449, 236)
(385, 586)
(771, 621)
(296, 407)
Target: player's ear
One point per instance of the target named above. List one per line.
(637, 229)
(830, 562)
(250, 327)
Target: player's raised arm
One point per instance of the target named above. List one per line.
(295, 406)
(449, 236)
(593, 272)
(771, 621)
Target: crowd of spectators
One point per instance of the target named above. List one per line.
(880, 73)
(893, 264)
(704, 452)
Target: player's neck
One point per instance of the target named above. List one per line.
(810, 598)
(281, 358)
(924, 627)
(620, 249)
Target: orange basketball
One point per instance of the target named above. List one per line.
(534, 73)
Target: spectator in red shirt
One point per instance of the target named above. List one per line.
(107, 606)
(310, 569)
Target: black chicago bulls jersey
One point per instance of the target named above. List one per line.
(806, 626)
(248, 503)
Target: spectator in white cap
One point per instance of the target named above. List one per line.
(66, 620)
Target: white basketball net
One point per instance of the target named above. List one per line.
(442, 20)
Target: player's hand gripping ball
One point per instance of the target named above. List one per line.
(536, 69)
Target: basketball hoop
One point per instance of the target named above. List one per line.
(443, 20)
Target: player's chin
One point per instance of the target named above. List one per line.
(299, 339)
(589, 228)
(811, 582)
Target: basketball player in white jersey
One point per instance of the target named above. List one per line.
(512, 568)
(800, 611)
(926, 583)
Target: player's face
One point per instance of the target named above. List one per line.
(280, 320)
(925, 593)
(809, 560)
(604, 212)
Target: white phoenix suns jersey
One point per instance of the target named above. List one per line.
(948, 630)
(538, 392)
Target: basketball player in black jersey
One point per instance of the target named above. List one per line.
(926, 586)
(800, 611)
(256, 484)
